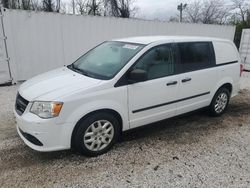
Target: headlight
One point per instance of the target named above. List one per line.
(46, 109)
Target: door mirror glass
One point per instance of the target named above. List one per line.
(137, 75)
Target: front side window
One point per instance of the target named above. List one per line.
(157, 62)
(106, 60)
(195, 55)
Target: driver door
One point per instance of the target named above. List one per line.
(154, 99)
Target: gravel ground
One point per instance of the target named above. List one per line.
(190, 151)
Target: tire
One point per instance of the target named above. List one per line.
(96, 134)
(220, 102)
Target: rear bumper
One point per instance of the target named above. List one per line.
(43, 135)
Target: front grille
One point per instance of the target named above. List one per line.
(21, 104)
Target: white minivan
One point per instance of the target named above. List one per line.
(123, 84)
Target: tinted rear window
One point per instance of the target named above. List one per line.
(196, 55)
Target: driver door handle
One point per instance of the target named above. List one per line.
(172, 83)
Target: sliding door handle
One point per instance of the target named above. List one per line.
(172, 83)
(186, 80)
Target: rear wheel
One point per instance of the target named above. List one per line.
(220, 102)
(96, 134)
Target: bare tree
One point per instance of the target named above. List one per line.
(51, 5)
(11, 4)
(26, 4)
(111, 8)
(242, 8)
(81, 6)
(193, 12)
(120, 8)
(22, 4)
(41, 5)
(5, 3)
(63, 7)
(48, 5)
(207, 12)
(214, 11)
(36, 5)
(124, 8)
(90, 7)
(93, 7)
(58, 5)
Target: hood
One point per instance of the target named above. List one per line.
(54, 84)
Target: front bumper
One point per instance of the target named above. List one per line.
(51, 135)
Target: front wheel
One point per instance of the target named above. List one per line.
(96, 134)
(220, 102)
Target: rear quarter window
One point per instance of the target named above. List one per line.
(225, 52)
(196, 55)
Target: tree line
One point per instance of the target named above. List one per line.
(116, 8)
(197, 11)
(233, 12)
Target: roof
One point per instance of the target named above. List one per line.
(152, 39)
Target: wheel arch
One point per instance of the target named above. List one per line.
(212, 108)
(228, 86)
(225, 82)
(105, 110)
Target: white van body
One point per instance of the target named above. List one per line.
(136, 104)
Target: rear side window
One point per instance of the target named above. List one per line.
(196, 55)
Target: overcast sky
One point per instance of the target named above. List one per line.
(157, 9)
(161, 9)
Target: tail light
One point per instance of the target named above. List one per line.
(241, 69)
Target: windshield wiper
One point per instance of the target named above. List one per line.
(86, 73)
(80, 71)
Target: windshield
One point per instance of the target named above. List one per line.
(106, 60)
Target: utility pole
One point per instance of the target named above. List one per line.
(181, 7)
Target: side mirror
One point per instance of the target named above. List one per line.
(137, 75)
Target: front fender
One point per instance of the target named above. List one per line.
(89, 107)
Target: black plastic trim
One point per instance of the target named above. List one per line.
(172, 83)
(21, 104)
(227, 63)
(186, 80)
(31, 138)
(6, 84)
(167, 103)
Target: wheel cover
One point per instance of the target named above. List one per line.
(98, 135)
(221, 102)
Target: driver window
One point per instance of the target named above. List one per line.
(157, 62)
